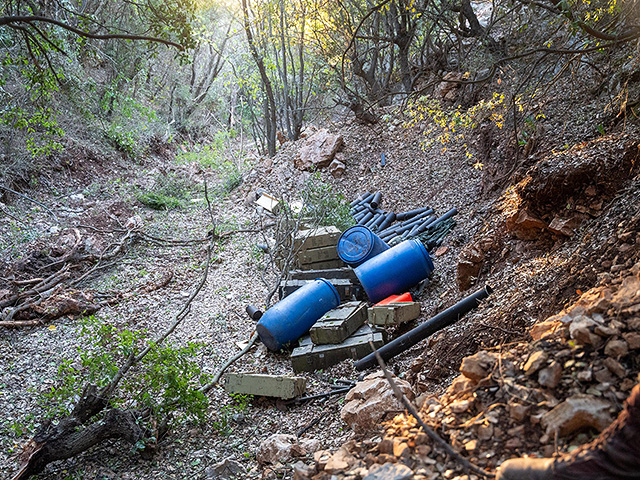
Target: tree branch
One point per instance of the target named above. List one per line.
(11, 21)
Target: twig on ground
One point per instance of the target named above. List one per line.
(468, 466)
(207, 388)
(32, 200)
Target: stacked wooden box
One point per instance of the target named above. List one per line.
(316, 248)
(339, 335)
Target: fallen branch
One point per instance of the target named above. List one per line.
(31, 200)
(466, 464)
(207, 388)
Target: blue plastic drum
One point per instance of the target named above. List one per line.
(358, 244)
(395, 271)
(295, 314)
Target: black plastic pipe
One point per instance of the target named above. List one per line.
(357, 208)
(411, 213)
(431, 326)
(376, 200)
(359, 199)
(360, 215)
(365, 219)
(388, 220)
(417, 220)
(446, 216)
(372, 222)
(253, 312)
(380, 220)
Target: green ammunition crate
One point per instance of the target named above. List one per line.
(309, 357)
(394, 313)
(344, 287)
(318, 237)
(280, 386)
(322, 265)
(341, 273)
(339, 323)
(321, 254)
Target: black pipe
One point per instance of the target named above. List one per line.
(388, 220)
(359, 199)
(390, 230)
(446, 216)
(422, 228)
(379, 221)
(411, 213)
(357, 208)
(376, 200)
(367, 200)
(431, 326)
(409, 224)
(365, 219)
(373, 220)
(360, 215)
(253, 312)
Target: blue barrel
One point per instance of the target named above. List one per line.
(294, 315)
(395, 271)
(358, 244)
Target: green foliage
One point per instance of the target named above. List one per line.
(446, 125)
(165, 382)
(217, 156)
(27, 108)
(131, 122)
(240, 403)
(169, 192)
(322, 205)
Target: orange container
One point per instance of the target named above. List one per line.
(405, 297)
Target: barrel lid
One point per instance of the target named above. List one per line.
(355, 244)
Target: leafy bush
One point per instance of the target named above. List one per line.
(166, 380)
(168, 193)
(215, 156)
(240, 403)
(323, 206)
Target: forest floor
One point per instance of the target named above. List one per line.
(537, 268)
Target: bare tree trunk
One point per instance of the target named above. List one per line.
(269, 102)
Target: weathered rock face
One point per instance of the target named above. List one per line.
(565, 226)
(478, 366)
(337, 168)
(368, 402)
(390, 471)
(448, 89)
(281, 447)
(469, 265)
(525, 226)
(318, 150)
